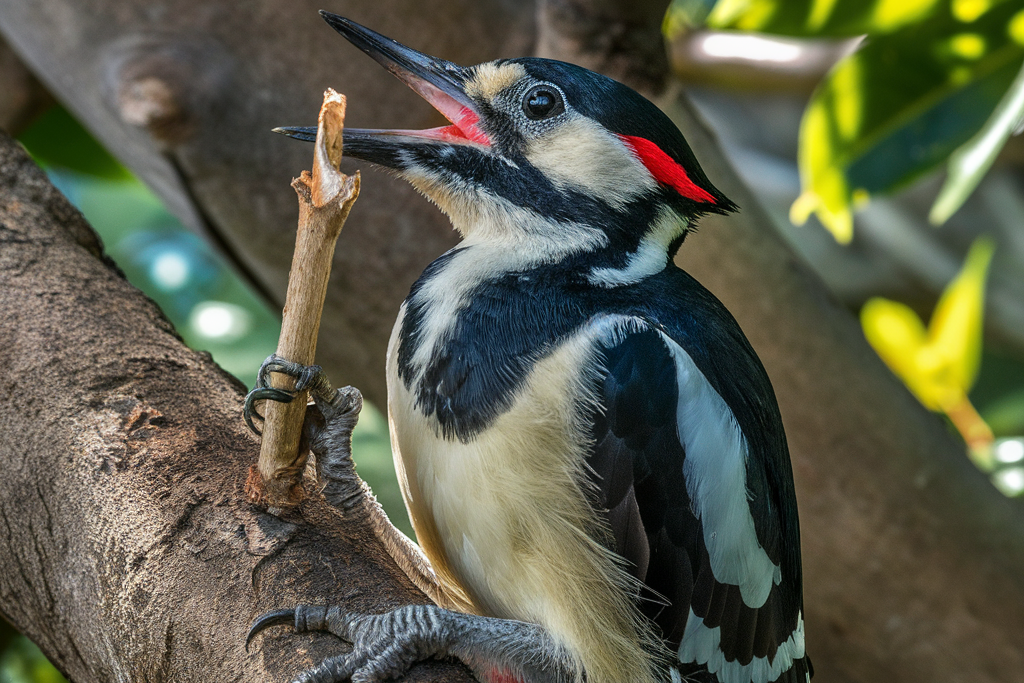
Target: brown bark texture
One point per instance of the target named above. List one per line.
(129, 550)
(914, 564)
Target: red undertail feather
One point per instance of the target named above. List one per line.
(665, 169)
(497, 675)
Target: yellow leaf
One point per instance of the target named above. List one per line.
(955, 331)
(939, 364)
(899, 337)
(968, 11)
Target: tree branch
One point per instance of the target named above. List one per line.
(913, 561)
(325, 198)
(127, 550)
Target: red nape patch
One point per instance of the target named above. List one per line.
(665, 169)
(496, 675)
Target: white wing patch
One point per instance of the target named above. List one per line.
(702, 645)
(716, 481)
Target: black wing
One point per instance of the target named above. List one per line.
(638, 462)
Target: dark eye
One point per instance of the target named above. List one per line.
(542, 102)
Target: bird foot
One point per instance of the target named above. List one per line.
(385, 646)
(327, 430)
(307, 378)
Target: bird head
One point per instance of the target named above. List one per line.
(537, 151)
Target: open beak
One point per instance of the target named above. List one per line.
(439, 82)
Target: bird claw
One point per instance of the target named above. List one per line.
(384, 646)
(307, 378)
(263, 394)
(276, 617)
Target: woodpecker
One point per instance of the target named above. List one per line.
(590, 451)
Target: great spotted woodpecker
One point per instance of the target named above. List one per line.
(590, 451)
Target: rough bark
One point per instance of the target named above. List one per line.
(129, 552)
(914, 565)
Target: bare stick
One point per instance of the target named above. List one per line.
(325, 197)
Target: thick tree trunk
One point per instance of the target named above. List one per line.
(128, 550)
(914, 565)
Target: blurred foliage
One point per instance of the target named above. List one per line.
(932, 82)
(686, 14)
(22, 662)
(933, 77)
(999, 393)
(970, 162)
(940, 364)
(55, 140)
(211, 308)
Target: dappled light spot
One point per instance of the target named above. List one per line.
(1010, 481)
(219, 320)
(969, 10)
(890, 15)
(1016, 27)
(757, 48)
(170, 270)
(1008, 451)
(967, 45)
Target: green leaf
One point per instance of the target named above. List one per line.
(685, 14)
(56, 139)
(899, 107)
(840, 18)
(970, 161)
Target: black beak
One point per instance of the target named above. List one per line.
(439, 82)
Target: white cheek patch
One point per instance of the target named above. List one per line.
(487, 219)
(702, 645)
(582, 155)
(716, 481)
(651, 256)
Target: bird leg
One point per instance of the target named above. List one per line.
(385, 645)
(328, 431)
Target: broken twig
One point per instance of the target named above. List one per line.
(325, 197)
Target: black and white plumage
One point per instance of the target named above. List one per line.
(585, 439)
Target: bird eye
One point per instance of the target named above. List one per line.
(542, 102)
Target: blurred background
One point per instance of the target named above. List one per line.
(882, 137)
